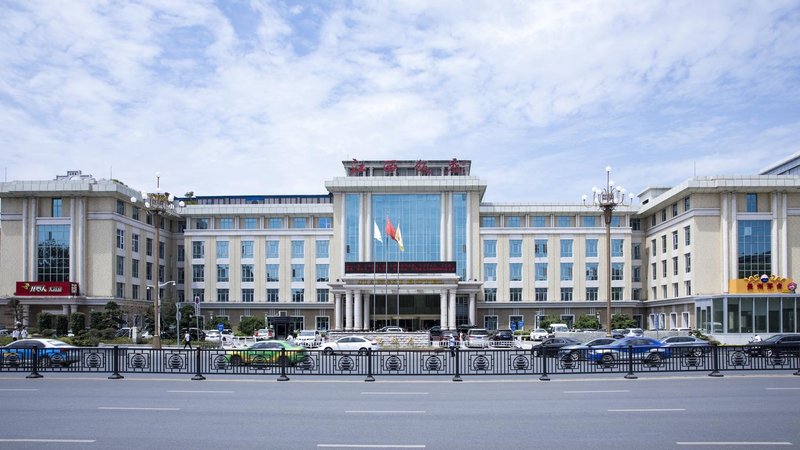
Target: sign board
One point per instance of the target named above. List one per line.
(220, 327)
(760, 284)
(47, 288)
(401, 267)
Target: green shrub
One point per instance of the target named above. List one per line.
(107, 334)
(46, 321)
(62, 325)
(77, 322)
(48, 333)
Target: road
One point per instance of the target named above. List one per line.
(67, 411)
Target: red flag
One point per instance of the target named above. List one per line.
(390, 228)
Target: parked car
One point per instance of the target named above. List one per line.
(213, 336)
(390, 330)
(577, 352)
(195, 334)
(435, 333)
(559, 328)
(777, 345)
(478, 337)
(551, 346)
(687, 345)
(539, 334)
(445, 337)
(309, 338)
(503, 338)
(350, 343)
(267, 353)
(263, 334)
(648, 350)
(49, 351)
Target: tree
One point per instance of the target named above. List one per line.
(14, 310)
(587, 322)
(622, 321)
(546, 321)
(249, 325)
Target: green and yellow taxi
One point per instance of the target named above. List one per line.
(267, 353)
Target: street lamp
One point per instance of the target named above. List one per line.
(607, 199)
(157, 203)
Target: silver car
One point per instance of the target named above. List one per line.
(478, 337)
(686, 345)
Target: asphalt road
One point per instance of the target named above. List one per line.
(67, 411)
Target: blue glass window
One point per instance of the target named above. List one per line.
(752, 202)
(322, 272)
(325, 222)
(323, 249)
(541, 271)
(352, 212)
(540, 248)
(589, 221)
(297, 272)
(226, 223)
(418, 217)
(616, 221)
(566, 248)
(222, 250)
(513, 222)
(275, 222)
(754, 247)
(591, 248)
(489, 248)
(539, 221)
(460, 233)
(617, 271)
(515, 271)
(488, 222)
(273, 249)
(490, 272)
(564, 221)
(515, 248)
(299, 222)
(223, 272)
(298, 249)
(247, 249)
(272, 272)
(591, 272)
(616, 247)
(566, 271)
(250, 223)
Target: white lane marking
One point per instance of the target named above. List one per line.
(370, 446)
(596, 392)
(647, 410)
(60, 441)
(129, 408)
(201, 392)
(734, 443)
(385, 412)
(18, 390)
(783, 389)
(394, 393)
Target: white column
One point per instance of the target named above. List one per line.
(472, 312)
(443, 309)
(774, 232)
(358, 317)
(366, 313)
(725, 225)
(348, 310)
(784, 237)
(337, 311)
(734, 240)
(451, 311)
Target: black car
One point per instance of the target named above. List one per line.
(778, 345)
(503, 338)
(435, 332)
(551, 346)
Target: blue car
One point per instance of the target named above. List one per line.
(647, 350)
(51, 352)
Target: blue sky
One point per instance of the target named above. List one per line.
(249, 97)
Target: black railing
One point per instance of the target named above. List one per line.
(458, 362)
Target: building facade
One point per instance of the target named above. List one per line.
(410, 243)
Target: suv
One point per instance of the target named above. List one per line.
(503, 338)
(308, 338)
(263, 334)
(478, 337)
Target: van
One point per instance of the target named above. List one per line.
(558, 328)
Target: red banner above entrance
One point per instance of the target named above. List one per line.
(47, 288)
(405, 267)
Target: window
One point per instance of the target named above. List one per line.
(489, 248)
(675, 240)
(297, 272)
(675, 289)
(222, 273)
(161, 274)
(201, 223)
(55, 207)
(617, 271)
(687, 235)
(148, 268)
(135, 213)
(591, 294)
(653, 270)
(120, 208)
(566, 271)
(198, 250)
(653, 247)
(297, 295)
(226, 223)
(247, 249)
(148, 247)
(273, 295)
(752, 202)
(325, 222)
(322, 272)
(664, 243)
(754, 247)
(323, 323)
(616, 222)
(222, 250)
(566, 248)
(488, 222)
(162, 248)
(563, 221)
(275, 222)
(323, 249)
(541, 271)
(653, 220)
(181, 253)
(541, 294)
(664, 268)
(120, 265)
(589, 221)
(247, 273)
(322, 296)
(636, 275)
(687, 204)
(121, 239)
(591, 271)
(299, 222)
(181, 275)
(298, 249)
(616, 294)
(513, 222)
(674, 265)
(674, 209)
(540, 248)
(566, 294)
(617, 246)
(197, 273)
(687, 262)
(664, 215)
(516, 294)
(636, 224)
(687, 285)
(247, 295)
(539, 221)
(490, 294)
(490, 322)
(515, 248)
(273, 249)
(515, 271)
(489, 272)
(135, 268)
(636, 294)
(272, 272)
(135, 293)
(121, 290)
(250, 223)
(135, 243)
(223, 295)
(636, 251)
(591, 248)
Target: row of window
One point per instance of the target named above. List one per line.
(566, 294)
(540, 271)
(687, 240)
(271, 295)
(564, 221)
(135, 240)
(247, 273)
(272, 249)
(135, 213)
(254, 223)
(566, 247)
(687, 266)
(687, 205)
(687, 287)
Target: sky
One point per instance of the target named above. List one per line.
(251, 97)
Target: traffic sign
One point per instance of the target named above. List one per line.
(220, 327)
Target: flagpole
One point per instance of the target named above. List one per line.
(374, 282)
(398, 283)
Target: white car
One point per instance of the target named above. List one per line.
(263, 334)
(308, 338)
(478, 337)
(350, 344)
(213, 336)
(539, 334)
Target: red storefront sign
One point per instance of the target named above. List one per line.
(47, 288)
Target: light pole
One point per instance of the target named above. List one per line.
(157, 312)
(157, 203)
(607, 199)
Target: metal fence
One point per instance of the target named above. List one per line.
(455, 362)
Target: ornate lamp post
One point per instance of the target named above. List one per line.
(157, 203)
(607, 199)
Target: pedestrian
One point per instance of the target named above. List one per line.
(24, 333)
(756, 338)
(290, 338)
(187, 340)
(451, 342)
(15, 334)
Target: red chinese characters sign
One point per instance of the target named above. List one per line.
(47, 288)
